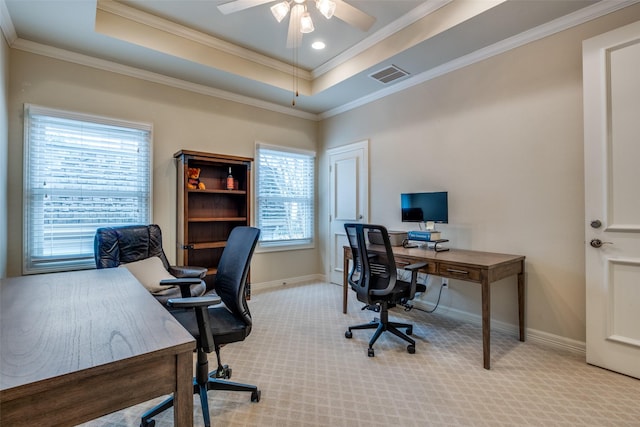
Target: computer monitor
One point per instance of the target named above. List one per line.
(425, 207)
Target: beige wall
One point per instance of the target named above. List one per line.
(181, 119)
(504, 137)
(4, 138)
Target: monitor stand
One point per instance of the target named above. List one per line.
(431, 226)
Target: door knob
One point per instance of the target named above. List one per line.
(597, 243)
(596, 223)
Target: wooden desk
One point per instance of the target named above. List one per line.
(77, 346)
(471, 266)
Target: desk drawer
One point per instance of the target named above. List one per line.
(459, 272)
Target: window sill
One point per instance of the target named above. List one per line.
(281, 247)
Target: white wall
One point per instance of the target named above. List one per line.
(4, 141)
(181, 120)
(504, 138)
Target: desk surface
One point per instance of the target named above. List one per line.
(458, 256)
(72, 331)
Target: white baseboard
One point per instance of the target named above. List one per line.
(263, 286)
(532, 335)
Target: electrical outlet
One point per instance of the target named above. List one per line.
(445, 282)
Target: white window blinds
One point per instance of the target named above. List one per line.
(285, 196)
(81, 172)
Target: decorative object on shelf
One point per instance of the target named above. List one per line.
(193, 179)
(230, 185)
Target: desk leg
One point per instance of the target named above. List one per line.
(183, 395)
(486, 324)
(345, 278)
(521, 301)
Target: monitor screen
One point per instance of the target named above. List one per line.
(423, 207)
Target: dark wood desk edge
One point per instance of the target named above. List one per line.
(175, 361)
(45, 385)
(172, 373)
(490, 273)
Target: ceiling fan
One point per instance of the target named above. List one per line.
(300, 21)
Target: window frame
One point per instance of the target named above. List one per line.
(30, 264)
(290, 244)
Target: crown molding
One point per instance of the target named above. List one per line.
(552, 27)
(170, 27)
(576, 18)
(399, 24)
(6, 24)
(101, 64)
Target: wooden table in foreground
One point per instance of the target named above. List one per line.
(471, 266)
(77, 346)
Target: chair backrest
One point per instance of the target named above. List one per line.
(113, 246)
(372, 276)
(233, 269)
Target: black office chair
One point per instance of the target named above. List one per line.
(215, 326)
(138, 246)
(374, 279)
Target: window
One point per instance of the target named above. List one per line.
(81, 172)
(284, 197)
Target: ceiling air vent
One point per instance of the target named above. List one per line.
(389, 74)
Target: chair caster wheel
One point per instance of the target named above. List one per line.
(411, 348)
(150, 423)
(410, 330)
(255, 396)
(370, 352)
(348, 334)
(222, 373)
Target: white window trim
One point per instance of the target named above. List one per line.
(265, 247)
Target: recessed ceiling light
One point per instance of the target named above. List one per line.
(318, 45)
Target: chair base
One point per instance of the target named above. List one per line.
(202, 383)
(381, 325)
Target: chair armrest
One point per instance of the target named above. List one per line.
(194, 301)
(415, 266)
(184, 283)
(187, 271)
(199, 305)
(180, 281)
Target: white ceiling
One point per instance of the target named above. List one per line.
(242, 56)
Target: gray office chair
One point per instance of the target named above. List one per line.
(142, 245)
(374, 279)
(217, 325)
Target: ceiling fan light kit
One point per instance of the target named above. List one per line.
(306, 24)
(325, 7)
(280, 10)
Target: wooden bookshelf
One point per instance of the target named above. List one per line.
(206, 217)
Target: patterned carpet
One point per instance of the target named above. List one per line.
(311, 375)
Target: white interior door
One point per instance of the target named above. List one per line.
(612, 198)
(349, 198)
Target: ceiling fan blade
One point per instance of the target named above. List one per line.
(353, 16)
(238, 5)
(294, 36)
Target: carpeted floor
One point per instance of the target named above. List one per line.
(311, 375)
